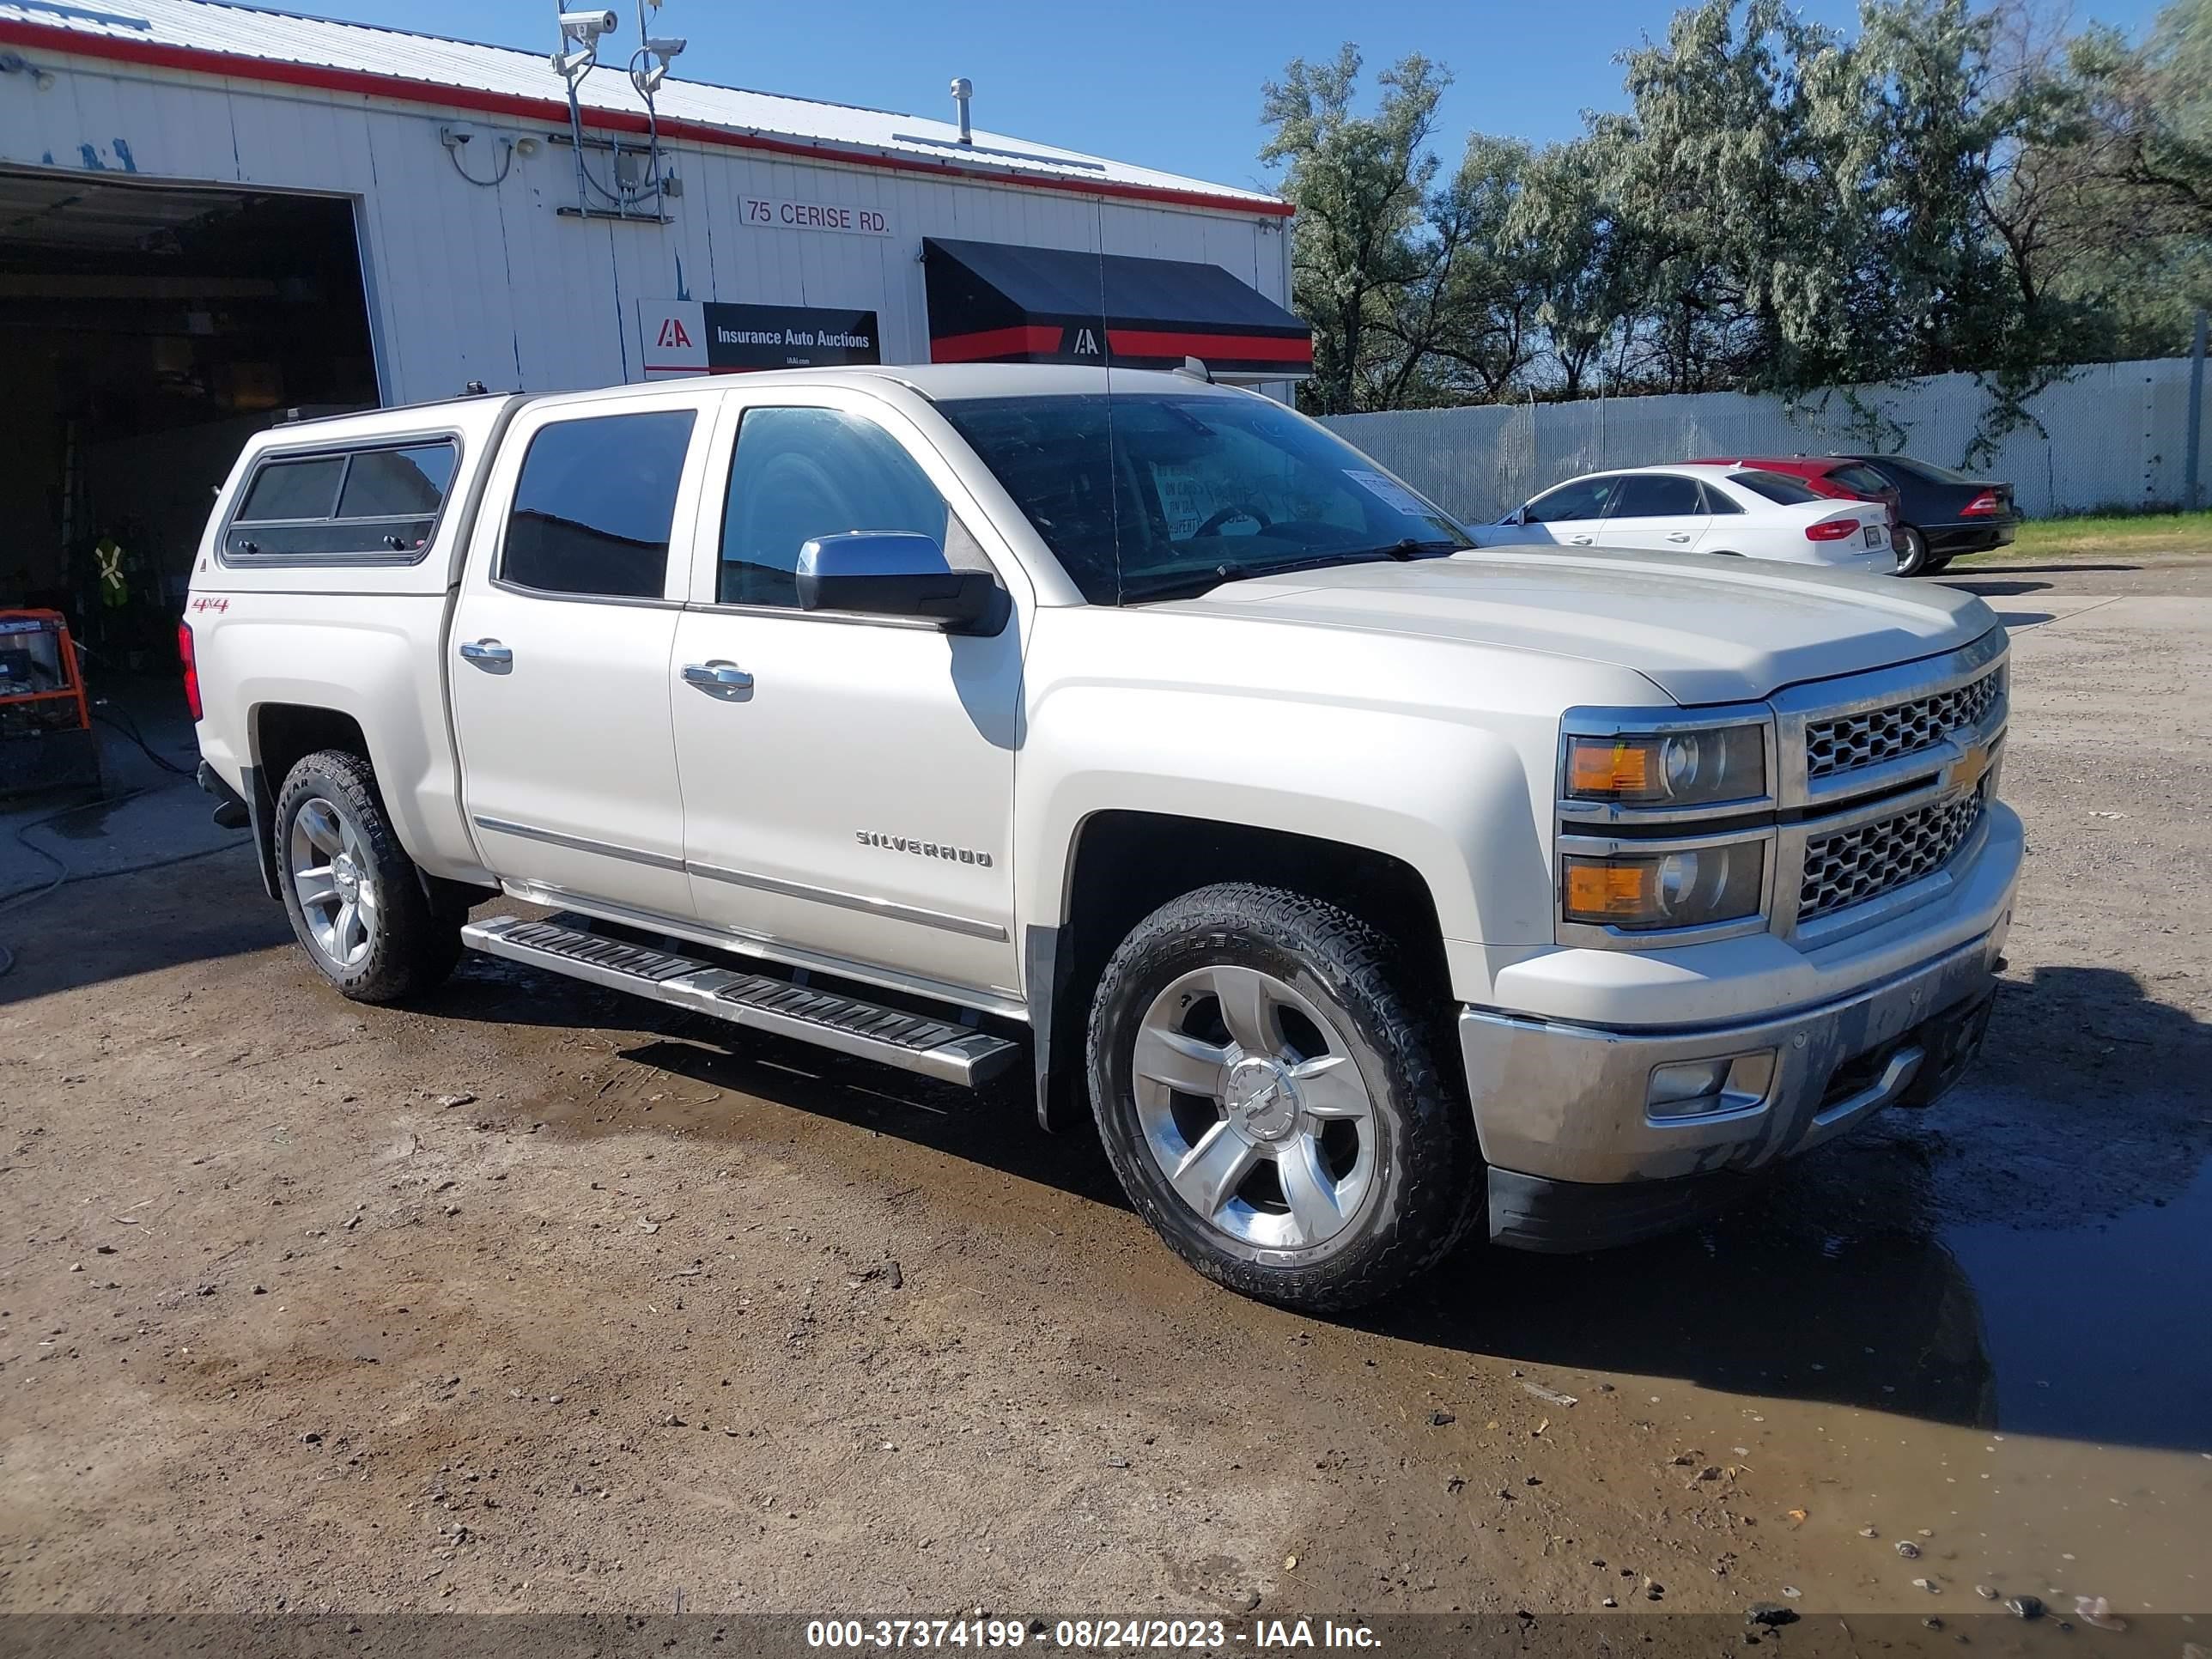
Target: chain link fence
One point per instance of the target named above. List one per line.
(2112, 436)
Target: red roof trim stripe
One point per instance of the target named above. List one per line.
(322, 77)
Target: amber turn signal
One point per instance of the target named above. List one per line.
(1611, 892)
(1602, 770)
(1689, 887)
(1696, 766)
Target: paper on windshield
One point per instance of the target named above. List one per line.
(1391, 492)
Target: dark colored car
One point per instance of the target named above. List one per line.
(1943, 513)
(1935, 514)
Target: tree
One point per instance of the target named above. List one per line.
(1576, 256)
(2149, 113)
(1474, 322)
(1961, 174)
(1717, 178)
(1779, 209)
(1360, 183)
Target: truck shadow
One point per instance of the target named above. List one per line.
(118, 926)
(993, 1126)
(1937, 1265)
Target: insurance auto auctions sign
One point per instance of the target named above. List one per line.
(692, 336)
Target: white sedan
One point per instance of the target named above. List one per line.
(1726, 511)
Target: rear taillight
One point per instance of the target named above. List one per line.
(191, 668)
(1832, 530)
(1983, 506)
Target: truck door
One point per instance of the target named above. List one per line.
(559, 655)
(847, 781)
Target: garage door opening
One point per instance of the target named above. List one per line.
(148, 330)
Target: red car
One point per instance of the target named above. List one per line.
(1839, 476)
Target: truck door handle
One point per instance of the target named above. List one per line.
(717, 676)
(489, 654)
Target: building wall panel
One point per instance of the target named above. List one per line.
(493, 284)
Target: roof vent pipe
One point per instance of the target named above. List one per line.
(963, 90)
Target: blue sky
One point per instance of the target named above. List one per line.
(1166, 83)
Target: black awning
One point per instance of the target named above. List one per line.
(990, 303)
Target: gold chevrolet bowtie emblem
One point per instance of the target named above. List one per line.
(1971, 765)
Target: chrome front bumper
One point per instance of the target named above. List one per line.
(1567, 1105)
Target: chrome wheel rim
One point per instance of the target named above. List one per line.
(1252, 1106)
(334, 882)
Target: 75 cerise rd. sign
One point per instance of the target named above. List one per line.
(779, 213)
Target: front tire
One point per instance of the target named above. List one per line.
(357, 902)
(1911, 551)
(1272, 1103)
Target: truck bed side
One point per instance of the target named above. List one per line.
(299, 651)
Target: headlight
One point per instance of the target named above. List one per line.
(1667, 889)
(1669, 768)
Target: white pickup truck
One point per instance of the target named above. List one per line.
(1360, 884)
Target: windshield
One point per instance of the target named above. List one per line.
(1150, 496)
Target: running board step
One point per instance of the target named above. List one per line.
(911, 1041)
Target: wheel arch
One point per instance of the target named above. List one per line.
(1123, 864)
(279, 736)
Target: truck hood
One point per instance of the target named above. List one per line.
(1702, 630)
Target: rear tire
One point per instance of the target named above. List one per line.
(354, 897)
(1272, 1101)
(1911, 551)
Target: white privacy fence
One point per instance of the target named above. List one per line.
(2113, 435)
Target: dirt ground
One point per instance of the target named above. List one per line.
(535, 1299)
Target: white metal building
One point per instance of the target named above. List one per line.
(210, 213)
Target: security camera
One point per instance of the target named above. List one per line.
(588, 25)
(665, 47)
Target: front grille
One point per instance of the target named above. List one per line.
(1850, 741)
(1852, 866)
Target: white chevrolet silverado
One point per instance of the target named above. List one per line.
(1361, 883)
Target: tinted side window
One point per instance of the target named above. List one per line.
(1775, 487)
(397, 483)
(799, 473)
(1582, 499)
(293, 489)
(595, 504)
(369, 503)
(1862, 478)
(1717, 499)
(1655, 495)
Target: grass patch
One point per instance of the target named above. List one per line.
(2145, 535)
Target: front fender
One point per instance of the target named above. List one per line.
(1450, 800)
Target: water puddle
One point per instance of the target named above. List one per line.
(2103, 1332)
